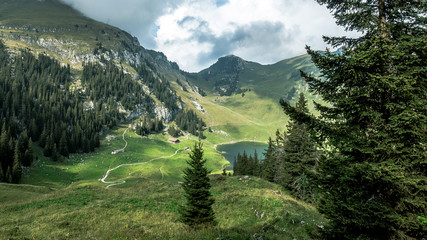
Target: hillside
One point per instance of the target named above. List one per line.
(56, 29)
(149, 85)
(63, 73)
(234, 75)
(65, 34)
(242, 97)
(245, 207)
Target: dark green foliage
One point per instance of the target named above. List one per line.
(28, 154)
(201, 92)
(161, 89)
(173, 131)
(38, 102)
(247, 165)
(63, 145)
(111, 85)
(298, 157)
(148, 126)
(291, 93)
(198, 209)
(373, 180)
(35, 95)
(16, 168)
(182, 85)
(269, 166)
(190, 122)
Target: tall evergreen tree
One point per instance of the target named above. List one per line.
(28, 155)
(270, 162)
(198, 208)
(373, 180)
(299, 152)
(63, 145)
(16, 168)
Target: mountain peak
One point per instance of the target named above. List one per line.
(230, 64)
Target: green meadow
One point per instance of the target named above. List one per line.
(140, 197)
(246, 208)
(67, 200)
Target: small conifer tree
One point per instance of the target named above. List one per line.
(198, 208)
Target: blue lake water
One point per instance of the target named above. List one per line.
(230, 151)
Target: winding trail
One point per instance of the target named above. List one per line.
(123, 136)
(129, 164)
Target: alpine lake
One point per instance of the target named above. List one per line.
(230, 151)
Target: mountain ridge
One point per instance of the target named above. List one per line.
(76, 39)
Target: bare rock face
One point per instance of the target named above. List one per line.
(163, 113)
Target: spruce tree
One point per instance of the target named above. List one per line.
(373, 181)
(198, 210)
(270, 162)
(16, 168)
(28, 155)
(63, 145)
(299, 153)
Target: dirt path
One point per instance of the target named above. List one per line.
(123, 136)
(103, 179)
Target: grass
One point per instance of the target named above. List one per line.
(148, 209)
(91, 167)
(66, 200)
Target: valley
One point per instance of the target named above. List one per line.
(76, 188)
(102, 138)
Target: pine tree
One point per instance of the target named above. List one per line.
(16, 169)
(373, 181)
(28, 155)
(198, 209)
(54, 156)
(63, 145)
(299, 153)
(4, 150)
(269, 164)
(47, 151)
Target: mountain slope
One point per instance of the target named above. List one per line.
(110, 71)
(231, 75)
(56, 29)
(149, 210)
(242, 97)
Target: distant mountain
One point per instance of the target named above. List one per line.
(233, 75)
(51, 27)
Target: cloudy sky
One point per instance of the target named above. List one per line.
(195, 33)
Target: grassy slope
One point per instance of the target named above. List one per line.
(245, 208)
(72, 33)
(67, 199)
(258, 114)
(91, 167)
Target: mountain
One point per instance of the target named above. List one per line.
(231, 75)
(110, 73)
(73, 91)
(55, 29)
(51, 27)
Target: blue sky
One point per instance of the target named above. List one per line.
(195, 33)
(220, 3)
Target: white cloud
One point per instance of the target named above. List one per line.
(194, 33)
